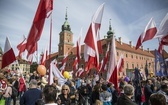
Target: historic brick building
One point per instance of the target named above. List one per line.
(132, 58)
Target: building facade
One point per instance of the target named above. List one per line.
(132, 58)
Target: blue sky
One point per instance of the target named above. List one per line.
(128, 19)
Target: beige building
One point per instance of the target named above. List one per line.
(20, 65)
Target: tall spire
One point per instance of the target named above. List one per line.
(66, 25)
(110, 32)
(66, 16)
(110, 28)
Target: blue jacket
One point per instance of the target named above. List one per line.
(30, 96)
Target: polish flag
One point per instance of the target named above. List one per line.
(91, 53)
(120, 64)
(163, 33)
(21, 46)
(79, 72)
(104, 61)
(78, 50)
(148, 34)
(112, 75)
(43, 57)
(8, 56)
(44, 7)
(164, 41)
(56, 73)
(30, 58)
(75, 64)
(163, 28)
(30, 54)
(64, 63)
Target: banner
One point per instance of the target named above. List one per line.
(160, 67)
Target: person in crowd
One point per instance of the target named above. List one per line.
(138, 93)
(43, 81)
(27, 77)
(105, 96)
(22, 85)
(76, 100)
(143, 92)
(50, 94)
(157, 99)
(31, 95)
(148, 91)
(64, 97)
(72, 90)
(15, 84)
(8, 93)
(3, 84)
(121, 90)
(114, 93)
(164, 89)
(77, 83)
(40, 102)
(95, 94)
(125, 99)
(34, 76)
(56, 85)
(98, 102)
(84, 94)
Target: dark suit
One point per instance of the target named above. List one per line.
(125, 100)
(148, 91)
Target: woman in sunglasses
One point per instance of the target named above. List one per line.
(64, 97)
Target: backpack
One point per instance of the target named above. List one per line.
(14, 92)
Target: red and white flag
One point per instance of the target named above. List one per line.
(78, 52)
(44, 57)
(91, 53)
(56, 73)
(21, 47)
(163, 28)
(104, 60)
(31, 53)
(120, 64)
(44, 7)
(64, 63)
(8, 56)
(163, 33)
(79, 72)
(112, 75)
(148, 34)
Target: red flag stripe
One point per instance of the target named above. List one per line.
(44, 7)
(8, 56)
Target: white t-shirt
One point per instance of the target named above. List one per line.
(51, 104)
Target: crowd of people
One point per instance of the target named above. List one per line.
(33, 89)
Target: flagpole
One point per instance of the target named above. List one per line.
(50, 47)
(37, 54)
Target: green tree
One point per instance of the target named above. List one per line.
(33, 67)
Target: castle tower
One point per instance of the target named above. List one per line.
(66, 38)
(110, 33)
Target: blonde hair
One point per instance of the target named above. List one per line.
(98, 102)
(65, 86)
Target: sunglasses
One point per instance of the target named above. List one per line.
(64, 89)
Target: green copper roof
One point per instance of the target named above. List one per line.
(110, 32)
(66, 25)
